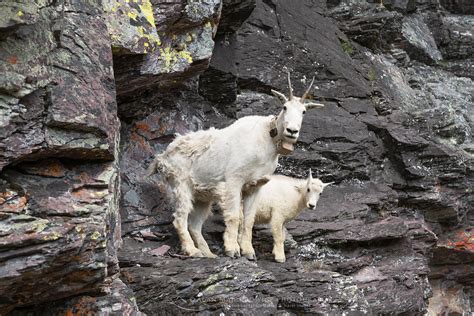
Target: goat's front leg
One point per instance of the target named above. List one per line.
(230, 204)
(245, 239)
(278, 239)
(184, 206)
(196, 219)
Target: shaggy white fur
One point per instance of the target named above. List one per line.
(277, 202)
(213, 165)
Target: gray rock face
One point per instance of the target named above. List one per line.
(385, 30)
(418, 36)
(436, 98)
(224, 285)
(393, 235)
(116, 298)
(460, 38)
(270, 29)
(58, 98)
(403, 6)
(234, 13)
(458, 6)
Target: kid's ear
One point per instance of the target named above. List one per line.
(326, 184)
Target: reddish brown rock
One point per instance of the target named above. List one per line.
(57, 232)
(115, 299)
(49, 168)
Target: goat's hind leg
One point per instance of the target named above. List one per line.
(184, 205)
(196, 219)
(248, 216)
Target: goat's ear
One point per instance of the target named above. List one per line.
(313, 105)
(326, 184)
(298, 189)
(280, 96)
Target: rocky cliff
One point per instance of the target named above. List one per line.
(91, 90)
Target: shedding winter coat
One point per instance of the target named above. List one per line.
(213, 165)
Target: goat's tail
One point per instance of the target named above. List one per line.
(156, 165)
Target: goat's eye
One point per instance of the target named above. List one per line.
(308, 190)
(284, 108)
(304, 112)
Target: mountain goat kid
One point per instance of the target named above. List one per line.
(213, 165)
(277, 202)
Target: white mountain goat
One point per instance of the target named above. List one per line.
(212, 165)
(277, 202)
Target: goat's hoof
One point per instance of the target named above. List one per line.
(194, 253)
(281, 260)
(250, 256)
(233, 253)
(210, 255)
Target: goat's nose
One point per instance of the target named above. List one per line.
(292, 131)
(311, 206)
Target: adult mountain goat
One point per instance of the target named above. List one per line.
(277, 202)
(213, 165)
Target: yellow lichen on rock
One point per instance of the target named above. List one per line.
(170, 57)
(147, 10)
(186, 55)
(39, 227)
(131, 26)
(151, 39)
(95, 235)
(132, 15)
(52, 236)
(165, 55)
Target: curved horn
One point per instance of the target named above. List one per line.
(305, 95)
(290, 87)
